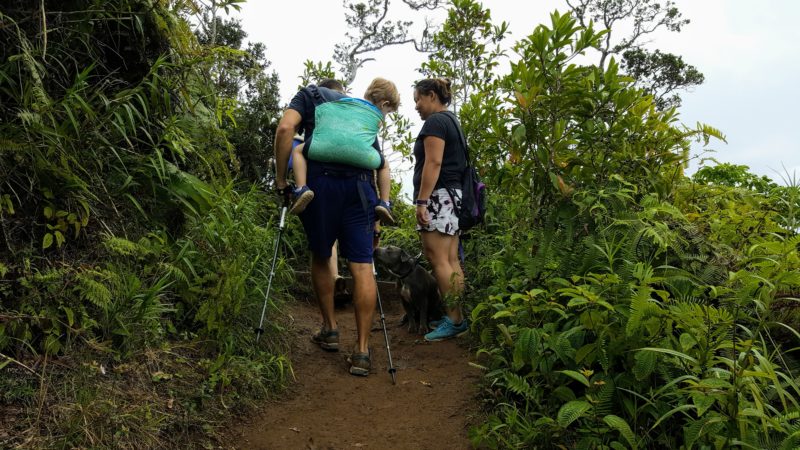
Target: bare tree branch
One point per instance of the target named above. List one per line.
(373, 31)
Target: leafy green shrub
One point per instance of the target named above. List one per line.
(121, 233)
(615, 306)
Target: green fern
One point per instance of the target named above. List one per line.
(526, 347)
(604, 395)
(49, 276)
(572, 411)
(174, 272)
(124, 247)
(645, 364)
(88, 288)
(518, 385)
(643, 307)
(619, 424)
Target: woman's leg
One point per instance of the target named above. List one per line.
(439, 248)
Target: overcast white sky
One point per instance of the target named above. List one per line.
(746, 50)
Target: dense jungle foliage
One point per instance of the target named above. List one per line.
(618, 303)
(615, 302)
(133, 253)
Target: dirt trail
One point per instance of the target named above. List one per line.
(327, 408)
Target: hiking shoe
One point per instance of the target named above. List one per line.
(360, 363)
(446, 330)
(326, 339)
(302, 197)
(384, 212)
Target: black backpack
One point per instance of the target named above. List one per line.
(473, 191)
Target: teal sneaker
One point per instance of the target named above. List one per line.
(434, 324)
(446, 330)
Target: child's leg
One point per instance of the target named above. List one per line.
(384, 209)
(302, 194)
(384, 183)
(299, 166)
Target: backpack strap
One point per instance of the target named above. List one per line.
(452, 118)
(316, 95)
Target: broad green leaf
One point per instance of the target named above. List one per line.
(577, 301)
(687, 342)
(59, 238)
(575, 376)
(47, 241)
(519, 134)
(70, 315)
(503, 313)
(702, 402)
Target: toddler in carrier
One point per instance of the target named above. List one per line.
(380, 98)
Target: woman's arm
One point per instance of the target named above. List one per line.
(434, 152)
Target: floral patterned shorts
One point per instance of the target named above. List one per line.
(442, 215)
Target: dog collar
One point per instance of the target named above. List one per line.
(413, 266)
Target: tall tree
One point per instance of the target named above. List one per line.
(372, 30)
(661, 74)
(208, 12)
(466, 50)
(251, 93)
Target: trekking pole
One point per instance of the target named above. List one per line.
(281, 225)
(392, 370)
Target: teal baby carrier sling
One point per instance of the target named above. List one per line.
(344, 132)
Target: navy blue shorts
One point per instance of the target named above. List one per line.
(343, 209)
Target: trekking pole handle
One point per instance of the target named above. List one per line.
(286, 194)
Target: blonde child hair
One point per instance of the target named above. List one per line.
(382, 91)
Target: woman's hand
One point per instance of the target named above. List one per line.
(422, 215)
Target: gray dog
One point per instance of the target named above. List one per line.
(418, 289)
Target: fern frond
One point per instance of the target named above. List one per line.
(92, 290)
(174, 272)
(124, 247)
(642, 308)
(518, 385)
(605, 395)
(619, 424)
(572, 411)
(645, 364)
(526, 347)
(48, 276)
